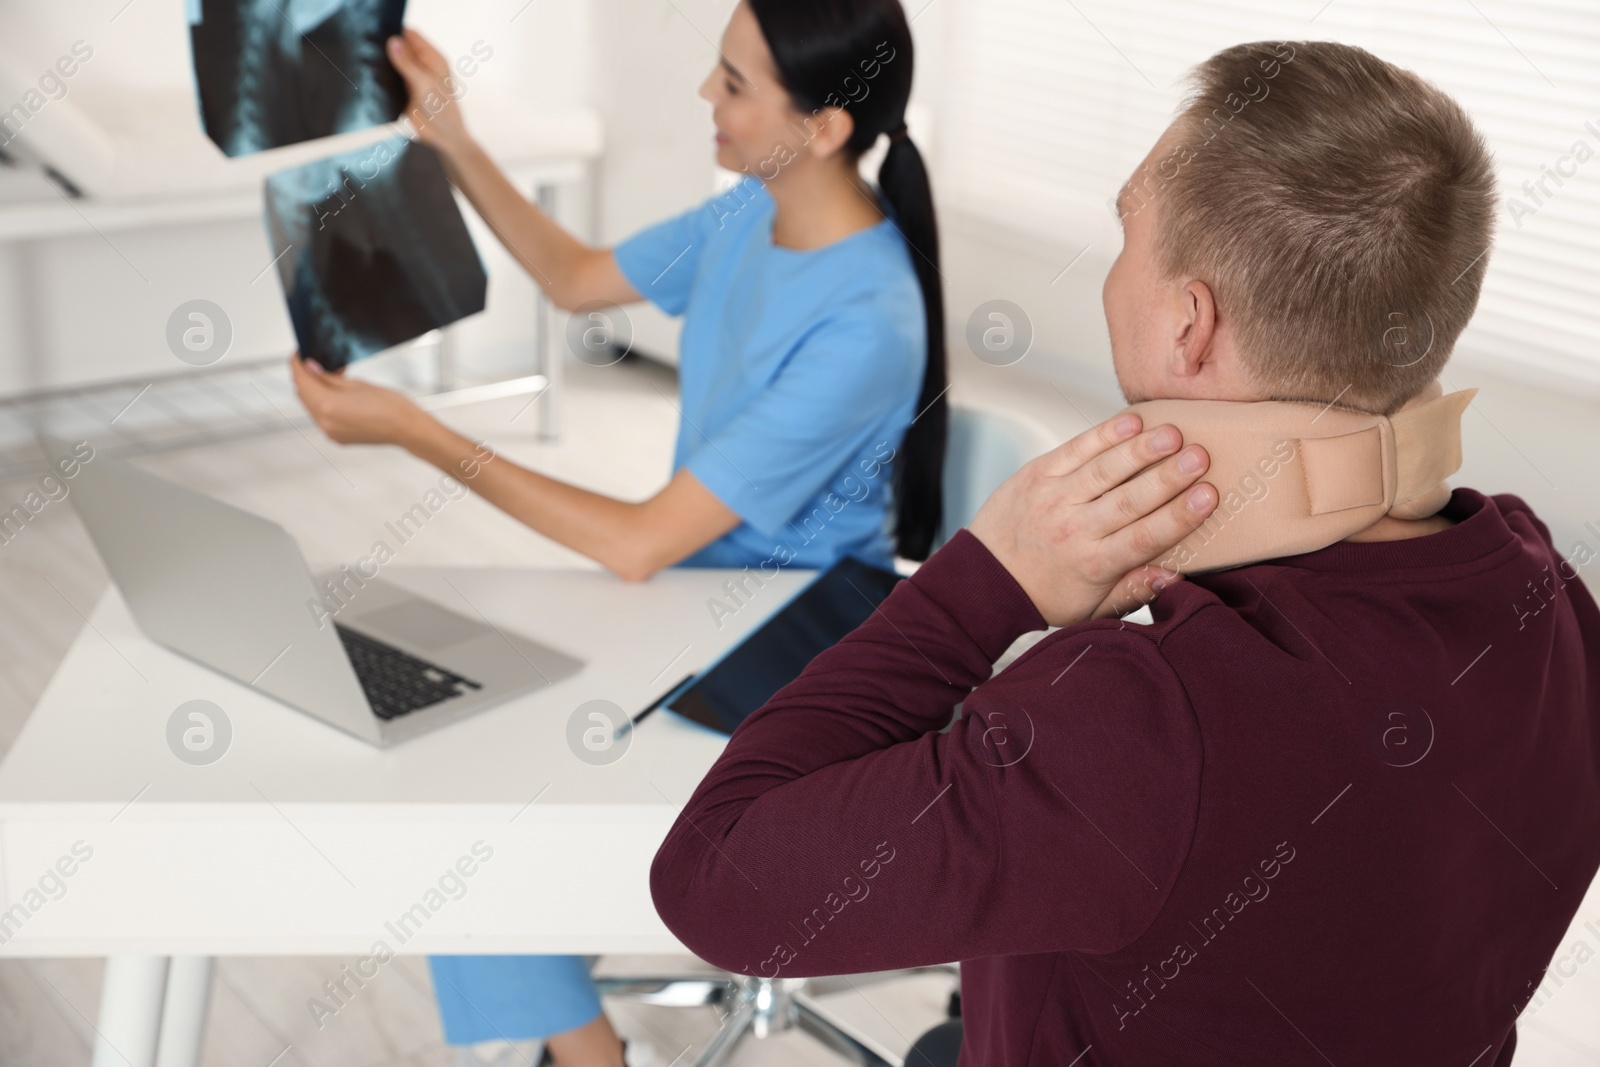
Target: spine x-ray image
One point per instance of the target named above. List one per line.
(377, 250)
(277, 72)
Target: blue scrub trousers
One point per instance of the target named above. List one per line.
(512, 998)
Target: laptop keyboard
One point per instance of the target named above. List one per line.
(395, 682)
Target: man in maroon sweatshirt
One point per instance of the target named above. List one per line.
(1331, 808)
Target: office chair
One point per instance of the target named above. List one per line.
(984, 447)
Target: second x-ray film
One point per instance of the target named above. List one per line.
(372, 250)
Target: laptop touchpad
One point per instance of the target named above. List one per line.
(422, 624)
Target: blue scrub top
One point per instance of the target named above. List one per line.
(798, 374)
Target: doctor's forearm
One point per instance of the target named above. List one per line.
(598, 526)
(612, 532)
(563, 266)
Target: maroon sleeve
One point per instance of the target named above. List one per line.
(842, 832)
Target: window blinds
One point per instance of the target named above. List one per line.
(1048, 105)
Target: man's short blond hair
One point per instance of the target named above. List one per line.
(1341, 209)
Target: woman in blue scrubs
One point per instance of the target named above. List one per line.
(811, 368)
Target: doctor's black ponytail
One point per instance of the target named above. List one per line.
(857, 55)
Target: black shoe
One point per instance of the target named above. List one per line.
(634, 1054)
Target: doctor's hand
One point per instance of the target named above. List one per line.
(433, 108)
(1079, 526)
(353, 412)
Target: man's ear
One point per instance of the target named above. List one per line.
(1192, 343)
(831, 129)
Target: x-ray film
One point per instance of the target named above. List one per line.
(372, 250)
(277, 72)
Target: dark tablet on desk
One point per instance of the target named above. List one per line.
(835, 602)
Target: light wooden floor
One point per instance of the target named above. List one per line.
(618, 430)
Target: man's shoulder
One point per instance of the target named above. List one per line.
(1517, 513)
(1101, 653)
(1223, 610)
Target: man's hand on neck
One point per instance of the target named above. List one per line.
(1079, 527)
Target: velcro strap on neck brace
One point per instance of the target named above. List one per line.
(1294, 477)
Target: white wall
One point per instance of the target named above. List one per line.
(650, 59)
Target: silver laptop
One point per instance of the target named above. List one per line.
(230, 590)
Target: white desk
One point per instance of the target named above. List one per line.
(301, 840)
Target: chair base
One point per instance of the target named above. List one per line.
(763, 1007)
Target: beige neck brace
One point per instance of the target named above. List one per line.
(1295, 477)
